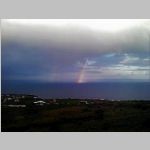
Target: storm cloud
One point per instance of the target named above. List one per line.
(73, 52)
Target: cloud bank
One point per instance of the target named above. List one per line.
(75, 51)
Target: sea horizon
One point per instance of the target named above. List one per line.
(135, 90)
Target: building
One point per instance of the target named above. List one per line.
(84, 102)
(41, 103)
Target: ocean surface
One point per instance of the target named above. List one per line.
(104, 90)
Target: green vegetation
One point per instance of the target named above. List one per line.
(70, 116)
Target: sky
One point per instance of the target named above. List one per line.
(75, 50)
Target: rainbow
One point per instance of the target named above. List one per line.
(81, 78)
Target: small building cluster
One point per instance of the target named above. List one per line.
(16, 97)
(18, 100)
(23, 100)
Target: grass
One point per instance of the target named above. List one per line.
(117, 116)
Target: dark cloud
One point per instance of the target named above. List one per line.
(58, 53)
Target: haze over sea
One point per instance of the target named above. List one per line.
(106, 90)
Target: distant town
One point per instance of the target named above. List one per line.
(23, 100)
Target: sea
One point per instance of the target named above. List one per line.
(101, 90)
